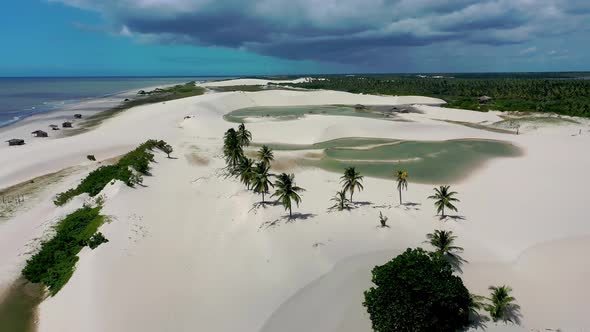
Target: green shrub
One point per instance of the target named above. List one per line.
(91, 157)
(54, 264)
(96, 240)
(138, 159)
(416, 291)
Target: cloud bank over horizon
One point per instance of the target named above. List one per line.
(369, 33)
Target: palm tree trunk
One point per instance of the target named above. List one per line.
(443, 211)
(290, 214)
(263, 197)
(351, 192)
(400, 195)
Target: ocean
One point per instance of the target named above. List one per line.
(23, 97)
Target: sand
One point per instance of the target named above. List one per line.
(188, 252)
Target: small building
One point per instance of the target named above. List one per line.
(16, 141)
(67, 124)
(54, 127)
(39, 133)
(78, 116)
(484, 100)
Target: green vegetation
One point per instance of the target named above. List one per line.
(341, 202)
(245, 88)
(351, 181)
(261, 179)
(147, 97)
(91, 157)
(502, 306)
(244, 135)
(383, 220)
(443, 241)
(401, 177)
(265, 155)
(96, 240)
(543, 92)
(444, 199)
(287, 191)
(138, 160)
(54, 264)
(417, 291)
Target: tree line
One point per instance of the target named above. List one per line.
(561, 96)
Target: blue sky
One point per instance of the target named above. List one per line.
(236, 37)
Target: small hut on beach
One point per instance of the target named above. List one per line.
(54, 127)
(67, 124)
(78, 116)
(16, 141)
(484, 99)
(39, 133)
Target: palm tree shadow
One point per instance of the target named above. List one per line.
(477, 321)
(513, 314)
(452, 217)
(299, 216)
(411, 206)
(356, 205)
(276, 222)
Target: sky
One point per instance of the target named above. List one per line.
(271, 37)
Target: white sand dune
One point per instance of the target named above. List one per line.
(188, 252)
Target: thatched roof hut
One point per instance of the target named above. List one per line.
(67, 124)
(40, 133)
(484, 99)
(78, 116)
(16, 141)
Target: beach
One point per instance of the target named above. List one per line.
(191, 251)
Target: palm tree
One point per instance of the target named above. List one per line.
(261, 179)
(443, 242)
(351, 180)
(401, 177)
(341, 201)
(244, 135)
(287, 191)
(444, 198)
(232, 149)
(245, 170)
(265, 155)
(502, 306)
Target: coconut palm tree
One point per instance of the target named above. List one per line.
(265, 155)
(401, 176)
(232, 149)
(261, 179)
(351, 180)
(244, 135)
(443, 242)
(502, 306)
(245, 171)
(341, 201)
(287, 191)
(444, 198)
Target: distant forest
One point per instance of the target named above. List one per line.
(561, 93)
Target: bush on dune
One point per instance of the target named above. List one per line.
(417, 291)
(54, 264)
(138, 160)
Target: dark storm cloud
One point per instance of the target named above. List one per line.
(339, 30)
